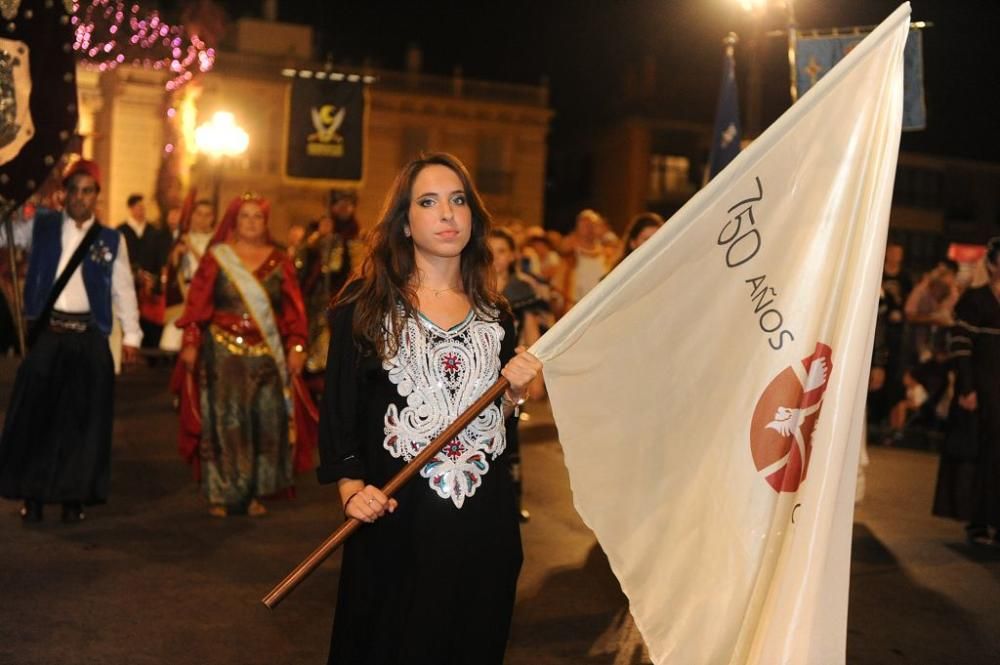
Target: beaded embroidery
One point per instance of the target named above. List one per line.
(441, 373)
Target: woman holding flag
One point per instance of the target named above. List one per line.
(244, 328)
(416, 340)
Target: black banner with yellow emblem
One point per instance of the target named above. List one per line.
(326, 130)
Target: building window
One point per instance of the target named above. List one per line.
(669, 175)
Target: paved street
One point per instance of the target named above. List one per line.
(151, 578)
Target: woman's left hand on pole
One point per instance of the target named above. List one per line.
(365, 502)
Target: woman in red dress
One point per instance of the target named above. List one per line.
(244, 330)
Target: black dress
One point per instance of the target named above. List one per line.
(435, 581)
(976, 349)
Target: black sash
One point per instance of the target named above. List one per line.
(38, 325)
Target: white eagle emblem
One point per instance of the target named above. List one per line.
(728, 135)
(788, 420)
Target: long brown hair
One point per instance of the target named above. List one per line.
(639, 223)
(384, 295)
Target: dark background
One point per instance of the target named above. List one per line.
(586, 48)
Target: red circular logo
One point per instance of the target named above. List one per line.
(783, 422)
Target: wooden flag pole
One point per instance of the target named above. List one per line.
(337, 538)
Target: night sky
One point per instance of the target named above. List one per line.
(586, 47)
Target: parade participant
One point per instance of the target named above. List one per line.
(585, 255)
(328, 265)
(172, 225)
(413, 343)
(296, 236)
(343, 212)
(244, 326)
(545, 270)
(515, 287)
(295, 247)
(526, 307)
(56, 445)
(639, 230)
(194, 243)
(148, 248)
(896, 285)
(929, 309)
(183, 262)
(976, 349)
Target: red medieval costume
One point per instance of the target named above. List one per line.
(243, 421)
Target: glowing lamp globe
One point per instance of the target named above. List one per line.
(221, 137)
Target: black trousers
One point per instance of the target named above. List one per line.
(151, 334)
(56, 442)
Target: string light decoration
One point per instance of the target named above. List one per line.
(110, 33)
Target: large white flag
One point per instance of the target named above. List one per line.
(709, 393)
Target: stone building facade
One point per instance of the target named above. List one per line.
(499, 130)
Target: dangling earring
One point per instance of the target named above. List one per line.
(406, 231)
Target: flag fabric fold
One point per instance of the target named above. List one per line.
(709, 392)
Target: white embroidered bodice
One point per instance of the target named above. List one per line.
(441, 373)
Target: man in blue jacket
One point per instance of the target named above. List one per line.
(56, 442)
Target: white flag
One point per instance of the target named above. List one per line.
(709, 393)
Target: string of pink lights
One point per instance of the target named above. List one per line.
(109, 33)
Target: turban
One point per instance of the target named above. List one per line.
(85, 167)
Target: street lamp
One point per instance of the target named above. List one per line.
(220, 138)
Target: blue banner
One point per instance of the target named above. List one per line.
(815, 56)
(726, 135)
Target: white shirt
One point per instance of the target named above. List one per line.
(73, 298)
(589, 270)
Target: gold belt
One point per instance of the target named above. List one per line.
(237, 344)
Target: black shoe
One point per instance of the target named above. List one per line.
(31, 512)
(72, 513)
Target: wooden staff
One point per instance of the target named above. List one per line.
(338, 537)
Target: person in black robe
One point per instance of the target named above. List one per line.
(976, 349)
(431, 575)
(896, 287)
(56, 441)
(526, 306)
(148, 250)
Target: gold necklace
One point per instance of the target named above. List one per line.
(438, 292)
